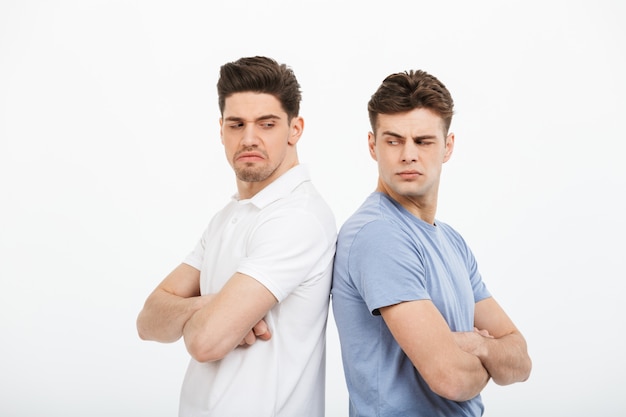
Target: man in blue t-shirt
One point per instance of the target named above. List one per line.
(420, 333)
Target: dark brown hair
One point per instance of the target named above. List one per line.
(260, 75)
(405, 91)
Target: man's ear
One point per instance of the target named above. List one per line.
(371, 142)
(449, 147)
(295, 130)
(222, 129)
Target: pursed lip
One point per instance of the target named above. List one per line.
(248, 156)
(409, 174)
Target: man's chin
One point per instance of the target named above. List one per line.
(252, 175)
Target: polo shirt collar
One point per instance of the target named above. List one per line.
(279, 188)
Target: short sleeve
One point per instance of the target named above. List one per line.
(283, 250)
(478, 286)
(196, 256)
(386, 266)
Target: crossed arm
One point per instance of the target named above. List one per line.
(458, 366)
(504, 354)
(211, 325)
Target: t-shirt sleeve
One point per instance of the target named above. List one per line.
(283, 251)
(478, 286)
(194, 258)
(386, 266)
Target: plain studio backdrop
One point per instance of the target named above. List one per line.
(111, 167)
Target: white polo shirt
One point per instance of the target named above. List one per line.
(284, 237)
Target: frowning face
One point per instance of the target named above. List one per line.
(410, 149)
(258, 139)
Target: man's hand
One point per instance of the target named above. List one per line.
(259, 331)
(472, 342)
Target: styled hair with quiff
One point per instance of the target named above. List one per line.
(405, 91)
(260, 75)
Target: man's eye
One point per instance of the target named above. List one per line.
(267, 125)
(392, 142)
(236, 125)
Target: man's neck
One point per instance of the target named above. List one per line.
(422, 207)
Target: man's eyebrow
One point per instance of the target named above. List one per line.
(258, 119)
(394, 134)
(423, 137)
(399, 136)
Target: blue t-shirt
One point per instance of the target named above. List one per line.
(385, 256)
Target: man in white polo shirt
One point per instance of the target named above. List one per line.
(251, 300)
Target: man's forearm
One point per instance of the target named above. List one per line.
(164, 315)
(470, 380)
(506, 359)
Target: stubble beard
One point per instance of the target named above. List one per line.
(250, 173)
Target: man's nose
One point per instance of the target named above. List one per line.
(409, 153)
(249, 135)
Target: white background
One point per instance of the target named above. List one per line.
(111, 167)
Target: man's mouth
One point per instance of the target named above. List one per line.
(249, 157)
(409, 174)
